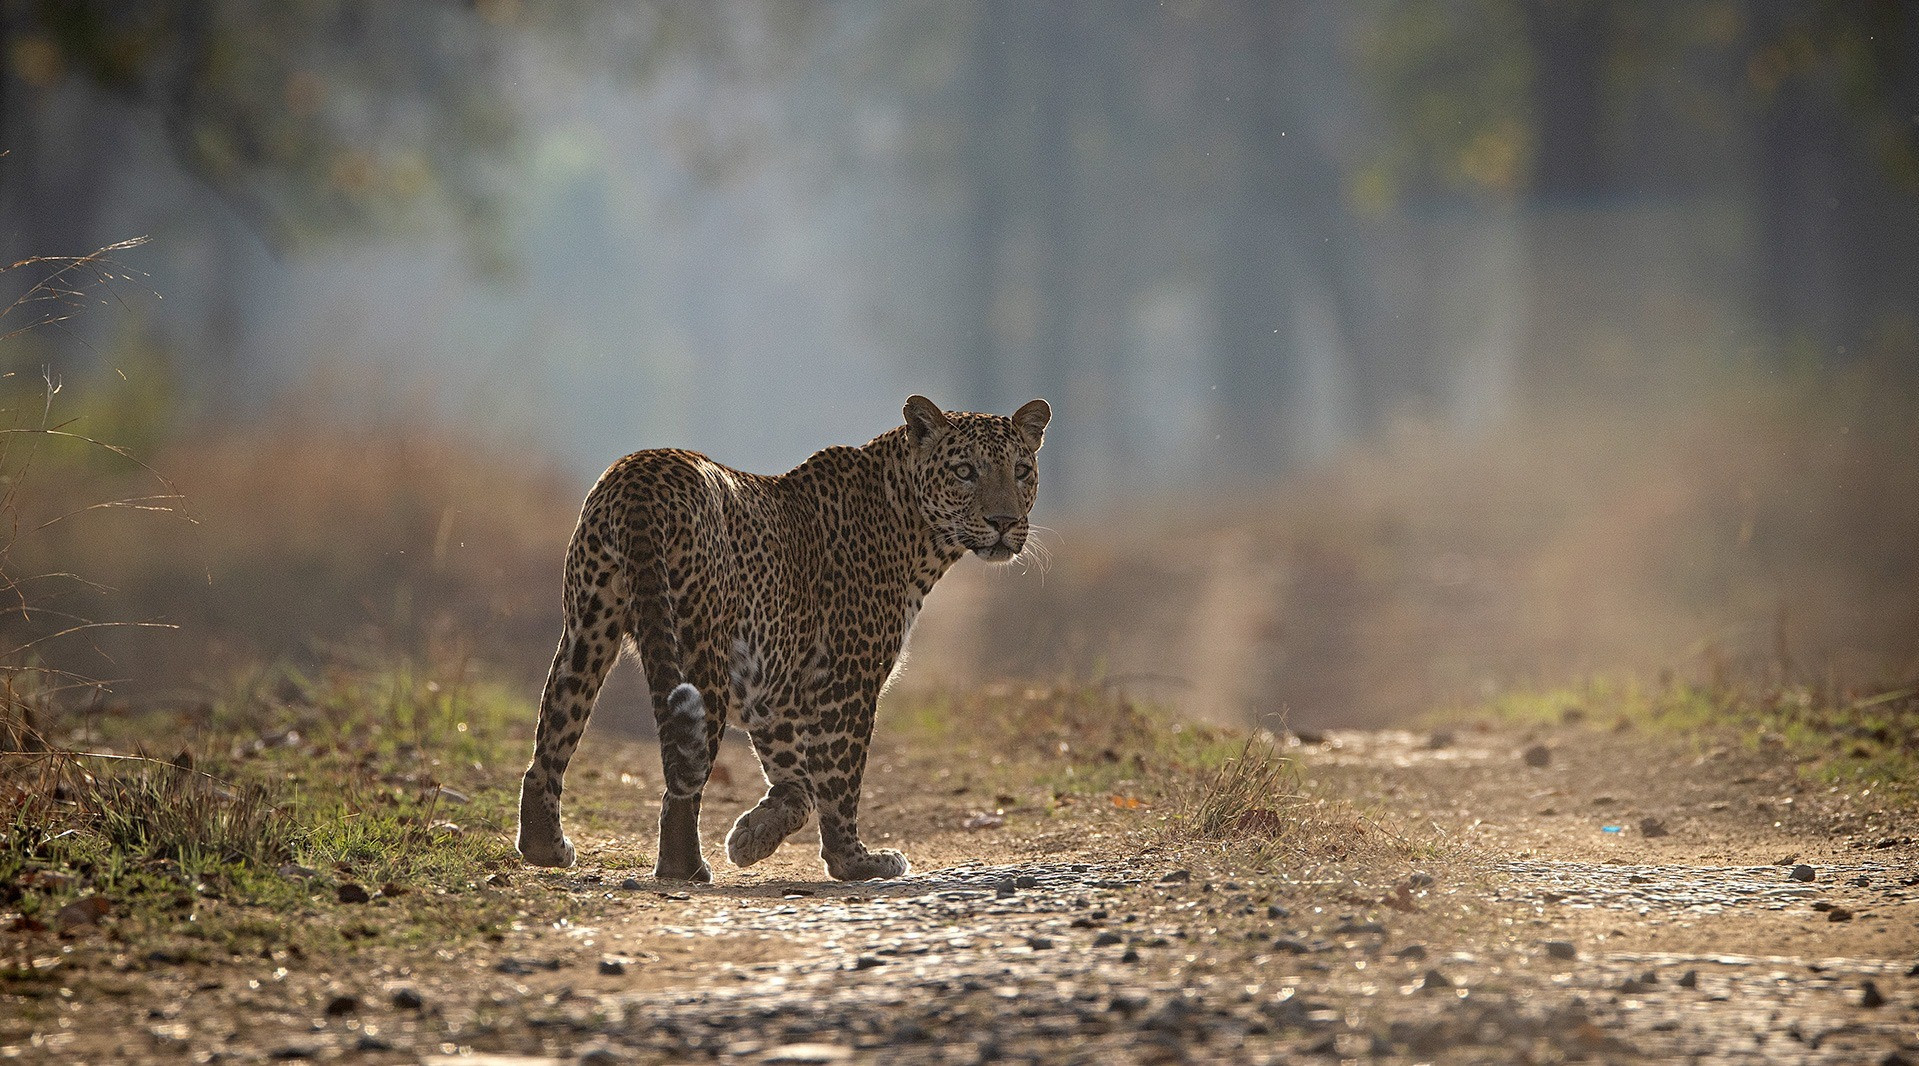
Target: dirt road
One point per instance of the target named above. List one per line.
(1573, 895)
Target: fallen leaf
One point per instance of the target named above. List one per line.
(84, 911)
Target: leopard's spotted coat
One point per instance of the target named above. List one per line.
(782, 601)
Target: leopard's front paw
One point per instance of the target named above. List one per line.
(869, 866)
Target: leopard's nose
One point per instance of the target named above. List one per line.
(1002, 522)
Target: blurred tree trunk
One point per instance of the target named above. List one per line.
(1570, 43)
(1258, 344)
(985, 164)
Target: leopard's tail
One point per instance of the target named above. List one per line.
(683, 749)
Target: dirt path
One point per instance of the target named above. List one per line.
(1512, 926)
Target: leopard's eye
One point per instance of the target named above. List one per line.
(964, 471)
(1023, 471)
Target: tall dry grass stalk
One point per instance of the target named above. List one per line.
(40, 577)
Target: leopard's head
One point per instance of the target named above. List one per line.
(976, 474)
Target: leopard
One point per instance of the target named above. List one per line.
(781, 602)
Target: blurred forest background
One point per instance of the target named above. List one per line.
(1401, 350)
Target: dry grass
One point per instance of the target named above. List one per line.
(308, 533)
(1254, 802)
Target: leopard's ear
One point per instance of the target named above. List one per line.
(1031, 421)
(924, 420)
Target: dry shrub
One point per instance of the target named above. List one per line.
(1254, 800)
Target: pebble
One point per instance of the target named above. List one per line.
(1839, 914)
(1274, 910)
(1107, 939)
(1537, 755)
(1005, 889)
(353, 893)
(1174, 877)
(1802, 872)
(1689, 979)
(1870, 996)
(631, 883)
(1026, 881)
(341, 1006)
(407, 999)
(1653, 827)
(600, 1056)
(1434, 981)
(612, 967)
(1561, 949)
(1411, 952)
(1039, 943)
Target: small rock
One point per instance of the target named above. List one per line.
(368, 1042)
(521, 967)
(1411, 952)
(1004, 889)
(353, 893)
(1291, 946)
(1561, 949)
(797, 1053)
(1175, 877)
(1802, 872)
(1350, 928)
(1689, 979)
(1107, 939)
(1914, 972)
(1026, 881)
(341, 1006)
(407, 999)
(866, 962)
(600, 1056)
(1862, 881)
(1274, 910)
(1039, 943)
(1537, 755)
(1839, 914)
(612, 967)
(631, 884)
(1439, 739)
(392, 889)
(295, 872)
(291, 1052)
(1131, 955)
(1419, 879)
(1870, 996)
(1652, 827)
(1434, 981)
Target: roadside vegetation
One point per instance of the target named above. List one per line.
(1837, 736)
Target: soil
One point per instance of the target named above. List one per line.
(1572, 894)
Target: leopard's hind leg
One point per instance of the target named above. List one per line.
(588, 645)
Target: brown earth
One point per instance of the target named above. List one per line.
(1497, 920)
